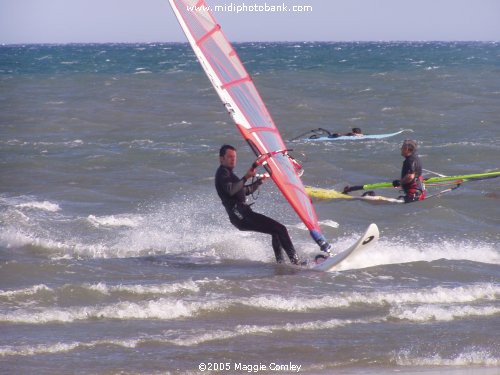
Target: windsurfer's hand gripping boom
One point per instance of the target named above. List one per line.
(252, 171)
(263, 158)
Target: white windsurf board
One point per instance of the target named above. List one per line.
(369, 238)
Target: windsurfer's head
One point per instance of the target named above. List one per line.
(357, 131)
(227, 156)
(408, 147)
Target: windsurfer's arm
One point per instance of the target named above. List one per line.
(408, 178)
(250, 173)
(254, 186)
(249, 189)
(410, 174)
(228, 183)
(231, 187)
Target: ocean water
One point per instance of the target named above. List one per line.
(116, 255)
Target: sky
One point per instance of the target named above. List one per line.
(131, 21)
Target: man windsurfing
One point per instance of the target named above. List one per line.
(233, 191)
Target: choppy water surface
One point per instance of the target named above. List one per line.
(116, 254)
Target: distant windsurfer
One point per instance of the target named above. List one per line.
(233, 191)
(355, 132)
(412, 181)
(324, 133)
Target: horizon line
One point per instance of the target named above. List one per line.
(255, 41)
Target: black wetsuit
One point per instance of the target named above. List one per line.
(414, 190)
(233, 191)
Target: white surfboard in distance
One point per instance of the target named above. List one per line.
(369, 238)
(355, 137)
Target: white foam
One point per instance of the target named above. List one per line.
(140, 142)
(196, 338)
(441, 313)
(438, 295)
(12, 238)
(115, 221)
(394, 252)
(199, 228)
(44, 57)
(295, 304)
(45, 206)
(469, 358)
(29, 350)
(439, 303)
(25, 291)
(190, 286)
(300, 226)
(327, 223)
(73, 143)
(164, 309)
(66, 248)
(191, 338)
(188, 227)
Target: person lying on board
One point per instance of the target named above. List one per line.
(356, 132)
(412, 181)
(320, 133)
(323, 133)
(233, 191)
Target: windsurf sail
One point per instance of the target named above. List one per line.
(433, 180)
(331, 194)
(243, 102)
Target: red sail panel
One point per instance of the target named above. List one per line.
(238, 92)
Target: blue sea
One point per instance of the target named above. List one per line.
(116, 255)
